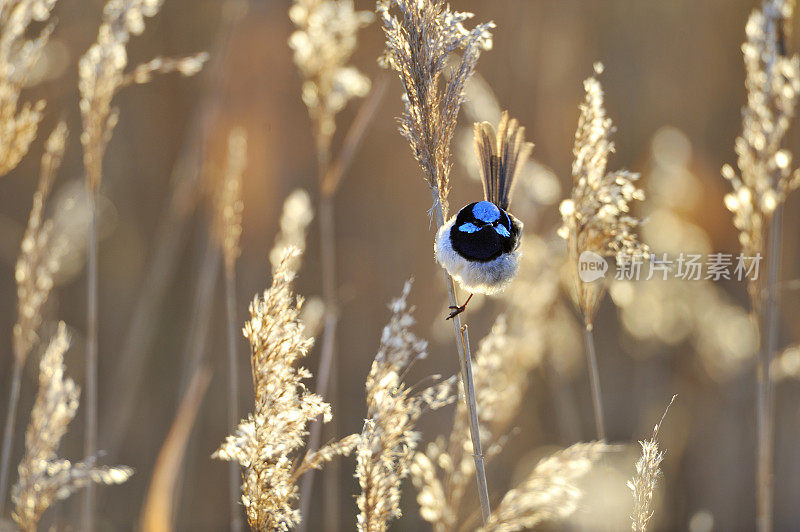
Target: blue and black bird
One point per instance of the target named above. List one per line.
(479, 246)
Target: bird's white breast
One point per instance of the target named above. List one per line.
(476, 277)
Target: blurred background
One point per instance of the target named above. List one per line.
(674, 88)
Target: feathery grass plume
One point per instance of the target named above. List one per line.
(39, 260)
(596, 218)
(267, 442)
(418, 44)
(102, 74)
(228, 230)
(43, 477)
(296, 216)
(19, 52)
(550, 492)
(323, 43)
(766, 178)
(388, 439)
(444, 469)
(772, 83)
(648, 471)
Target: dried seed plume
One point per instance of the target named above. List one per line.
(323, 44)
(648, 472)
(267, 443)
(597, 217)
(388, 439)
(19, 53)
(43, 477)
(419, 40)
(228, 212)
(550, 492)
(41, 252)
(102, 74)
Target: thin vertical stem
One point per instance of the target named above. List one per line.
(328, 259)
(465, 363)
(234, 473)
(330, 177)
(90, 435)
(169, 242)
(8, 432)
(474, 429)
(765, 403)
(195, 350)
(594, 380)
(331, 507)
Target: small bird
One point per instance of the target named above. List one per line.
(479, 246)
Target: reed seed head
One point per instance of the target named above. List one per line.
(19, 53)
(268, 441)
(43, 477)
(101, 72)
(765, 167)
(597, 217)
(40, 254)
(323, 45)
(388, 440)
(419, 40)
(228, 213)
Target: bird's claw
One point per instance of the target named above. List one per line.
(456, 310)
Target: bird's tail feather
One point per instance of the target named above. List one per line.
(501, 154)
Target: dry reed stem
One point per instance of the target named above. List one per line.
(597, 219)
(183, 198)
(418, 42)
(158, 513)
(766, 178)
(228, 227)
(101, 76)
(323, 44)
(594, 382)
(442, 472)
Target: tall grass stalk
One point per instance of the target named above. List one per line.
(465, 364)
(228, 229)
(765, 404)
(330, 175)
(597, 218)
(90, 428)
(420, 35)
(764, 180)
(170, 239)
(8, 431)
(594, 380)
(39, 260)
(234, 474)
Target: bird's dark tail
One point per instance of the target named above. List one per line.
(501, 155)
